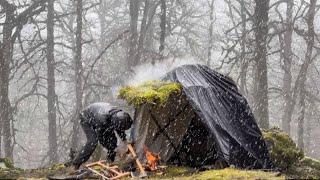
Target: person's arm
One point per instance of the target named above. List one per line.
(122, 135)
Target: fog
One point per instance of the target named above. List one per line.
(56, 59)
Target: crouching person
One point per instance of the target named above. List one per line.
(99, 122)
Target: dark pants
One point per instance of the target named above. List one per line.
(107, 140)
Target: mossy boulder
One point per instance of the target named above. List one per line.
(283, 150)
(153, 92)
(307, 168)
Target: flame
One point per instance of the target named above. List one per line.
(152, 158)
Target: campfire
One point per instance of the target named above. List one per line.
(106, 171)
(152, 159)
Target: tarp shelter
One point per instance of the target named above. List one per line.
(209, 121)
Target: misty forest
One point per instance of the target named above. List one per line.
(59, 56)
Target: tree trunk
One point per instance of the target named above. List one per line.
(149, 46)
(308, 128)
(4, 100)
(78, 74)
(133, 44)
(244, 62)
(302, 77)
(1, 85)
(287, 63)
(210, 32)
(5, 60)
(143, 31)
(163, 26)
(51, 94)
(261, 78)
(102, 39)
(103, 26)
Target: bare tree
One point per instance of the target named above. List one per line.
(287, 63)
(51, 94)
(14, 22)
(78, 74)
(261, 79)
(302, 77)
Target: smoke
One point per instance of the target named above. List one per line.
(149, 71)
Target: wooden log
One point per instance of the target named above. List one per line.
(97, 172)
(112, 168)
(94, 163)
(134, 155)
(121, 175)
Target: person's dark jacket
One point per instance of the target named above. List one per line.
(99, 122)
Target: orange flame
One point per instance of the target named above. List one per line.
(152, 158)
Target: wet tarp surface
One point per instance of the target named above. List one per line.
(226, 113)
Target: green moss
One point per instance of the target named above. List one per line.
(10, 173)
(173, 172)
(58, 166)
(307, 168)
(231, 173)
(310, 162)
(153, 92)
(283, 150)
(7, 162)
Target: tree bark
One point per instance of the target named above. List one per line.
(302, 77)
(143, 31)
(7, 47)
(244, 62)
(133, 43)
(78, 75)
(103, 26)
(211, 3)
(163, 20)
(51, 93)
(1, 85)
(261, 78)
(102, 39)
(287, 63)
(149, 45)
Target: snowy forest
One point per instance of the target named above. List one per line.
(58, 56)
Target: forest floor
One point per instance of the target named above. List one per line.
(283, 152)
(172, 172)
(310, 170)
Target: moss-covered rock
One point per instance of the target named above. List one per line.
(307, 161)
(7, 162)
(283, 151)
(154, 92)
(307, 168)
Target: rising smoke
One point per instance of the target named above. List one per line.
(149, 71)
